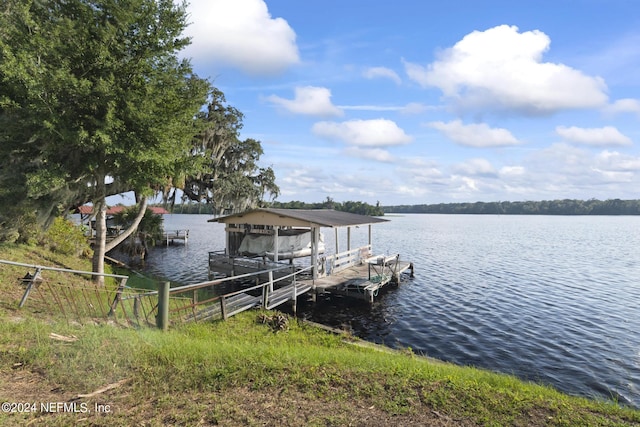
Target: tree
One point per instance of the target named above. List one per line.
(229, 177)
(94, 101)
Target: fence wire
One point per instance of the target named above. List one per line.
(91, 302)
(79, 299)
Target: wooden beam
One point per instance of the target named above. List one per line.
(276, 243)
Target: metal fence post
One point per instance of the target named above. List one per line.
(223, 307)
(117, 297)
(31, 281)
(162, 320)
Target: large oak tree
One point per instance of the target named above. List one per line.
(94, 101)
(228, 175)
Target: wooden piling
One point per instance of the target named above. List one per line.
(294, 298)
(162, 320)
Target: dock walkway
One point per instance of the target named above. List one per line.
(353, 276)
(363, 280)
(239, 302)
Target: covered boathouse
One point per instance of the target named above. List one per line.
(262, 239)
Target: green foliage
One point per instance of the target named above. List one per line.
(18, 225)
(191, 208)
(65, 237)
(91, 89)
(361, 208)
(150, 228)
(229, 177)
(545, 207)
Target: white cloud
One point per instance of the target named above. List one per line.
(475, 135)
(604, 136)
(377, 154)
(615, 161)
(615, 177)
(569, 171)
(415, 108)
(480, 167)
(309, 100)
(371, 107)
(627, 105)
(512, 171)
(241, 34)
(464, 185)
(303, 178)
(363, 133)
(382, 72)
(410, 108)
(502, 69)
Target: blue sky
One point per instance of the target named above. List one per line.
(412, 102)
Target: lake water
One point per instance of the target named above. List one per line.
(547, 298)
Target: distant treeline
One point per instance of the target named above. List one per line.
(188, 208)
(545, 207)
(353, 207)
(361, 208)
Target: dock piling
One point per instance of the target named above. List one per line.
(162, 320)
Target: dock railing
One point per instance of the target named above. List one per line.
(344, 260)
(233, 264)
(226, 305)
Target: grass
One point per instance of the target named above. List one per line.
(242, 372)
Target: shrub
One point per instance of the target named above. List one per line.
(20, 226)
(65, 237)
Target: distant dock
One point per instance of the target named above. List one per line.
(171, 237)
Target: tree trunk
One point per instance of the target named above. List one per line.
(101, 247)
(99, 251)
(115, 242)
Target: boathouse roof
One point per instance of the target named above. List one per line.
(299, 218)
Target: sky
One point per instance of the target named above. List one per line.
(418, 102)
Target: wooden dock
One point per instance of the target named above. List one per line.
(171, 237)
(354, 273)
(363, 280)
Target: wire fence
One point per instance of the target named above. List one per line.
(82, 299)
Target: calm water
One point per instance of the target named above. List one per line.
(547, 298)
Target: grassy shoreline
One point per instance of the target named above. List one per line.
(243, 372)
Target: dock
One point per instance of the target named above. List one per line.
(261, 239)
(346, 273)
(170, 237)
(364, 279)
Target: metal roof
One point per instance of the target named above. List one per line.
(296, 217)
